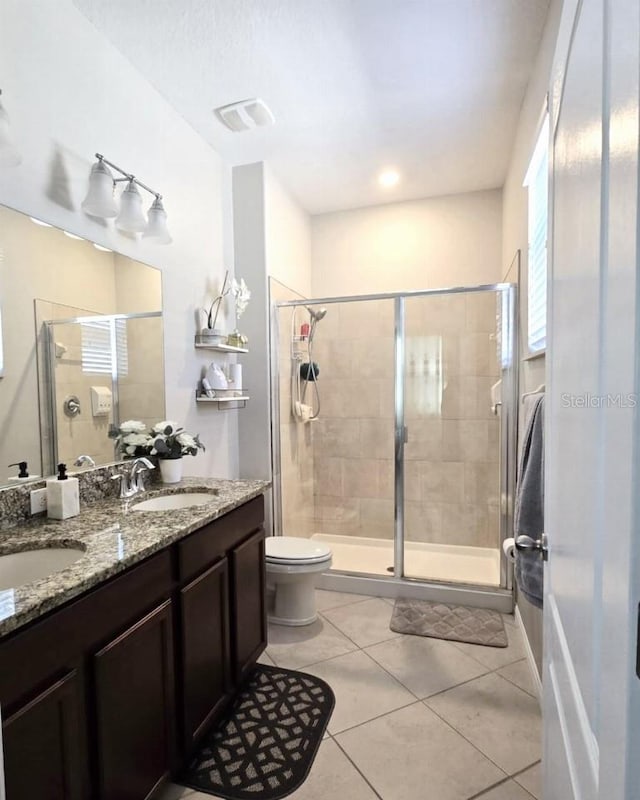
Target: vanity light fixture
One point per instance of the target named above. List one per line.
(73, 236)
(101, 202)
(101, 248)
(9, 154)
(40, 222)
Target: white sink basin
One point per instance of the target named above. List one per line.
(16, 569)
(171, 502)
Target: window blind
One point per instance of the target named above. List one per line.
(537, 183)
(98, 357)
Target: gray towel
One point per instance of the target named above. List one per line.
(529, 508)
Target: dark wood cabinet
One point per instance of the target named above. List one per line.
(105, 697)
(249, 623)
(134, 708)
(44, 745)
(206, 678)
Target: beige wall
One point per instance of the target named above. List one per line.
(423, 244)
(287, 236)
(83, 434)
(141, 390)
(514, 237)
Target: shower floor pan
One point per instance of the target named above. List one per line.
(436, 562)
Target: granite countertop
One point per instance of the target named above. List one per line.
(113, 538)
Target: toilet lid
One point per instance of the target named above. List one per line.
(295, 548)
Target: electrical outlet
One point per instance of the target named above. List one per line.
(38, 501)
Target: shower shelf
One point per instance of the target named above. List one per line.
(221, 348)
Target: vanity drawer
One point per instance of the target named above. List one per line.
(202, 548)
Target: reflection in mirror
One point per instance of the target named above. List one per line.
(83, 346)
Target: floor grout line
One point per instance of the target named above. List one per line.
(378, 716)
(486, 791)
(475, 746)
(357, 769)
(531, 694)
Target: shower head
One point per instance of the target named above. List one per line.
(316, 316)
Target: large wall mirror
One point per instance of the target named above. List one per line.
(81, 346)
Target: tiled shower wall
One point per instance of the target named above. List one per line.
(452, 454)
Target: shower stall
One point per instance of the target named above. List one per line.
(394, 438)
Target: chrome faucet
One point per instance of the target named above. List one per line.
(133, 483)
(82, 460)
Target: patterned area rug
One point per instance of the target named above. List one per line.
(441, 621)
(264, 747)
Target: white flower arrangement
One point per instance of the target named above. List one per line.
(241, 292)
(172, 441)
(131, 438)
(165, 440)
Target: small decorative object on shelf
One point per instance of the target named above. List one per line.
(211, 334)
(214, 337)
(237, 340)
(241, 292)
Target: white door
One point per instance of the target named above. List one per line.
(591, 691)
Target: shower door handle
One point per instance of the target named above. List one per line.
(527, 544)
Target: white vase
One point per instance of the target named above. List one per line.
(171, 469)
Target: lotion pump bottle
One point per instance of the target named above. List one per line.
(63, 495)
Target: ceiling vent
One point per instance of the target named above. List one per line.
(244, 115)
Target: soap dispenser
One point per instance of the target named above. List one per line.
(23, 472)
(63, 495)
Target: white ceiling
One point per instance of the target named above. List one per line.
(432, 87)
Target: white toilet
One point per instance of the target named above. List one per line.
(293, 564)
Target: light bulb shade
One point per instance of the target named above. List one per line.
(131, 218)
(157, 227)
(100, 201)
(9, 154)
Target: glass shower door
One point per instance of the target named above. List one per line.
(452, 451)
(337, 467)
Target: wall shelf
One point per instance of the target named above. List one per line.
(221, 348)
(223, 403)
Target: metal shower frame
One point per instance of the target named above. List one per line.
(508, 292)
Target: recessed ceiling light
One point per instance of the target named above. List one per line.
(100, 247)
(73, 235)
(40, 222)
(388, 178)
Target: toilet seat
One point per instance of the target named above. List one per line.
(292, 550)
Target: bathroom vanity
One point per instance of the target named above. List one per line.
(111, 672)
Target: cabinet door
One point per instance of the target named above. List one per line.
(205, 650)
(44, 750)
(248, 607)
(135, 708)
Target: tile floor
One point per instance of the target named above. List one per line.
(415, 718)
